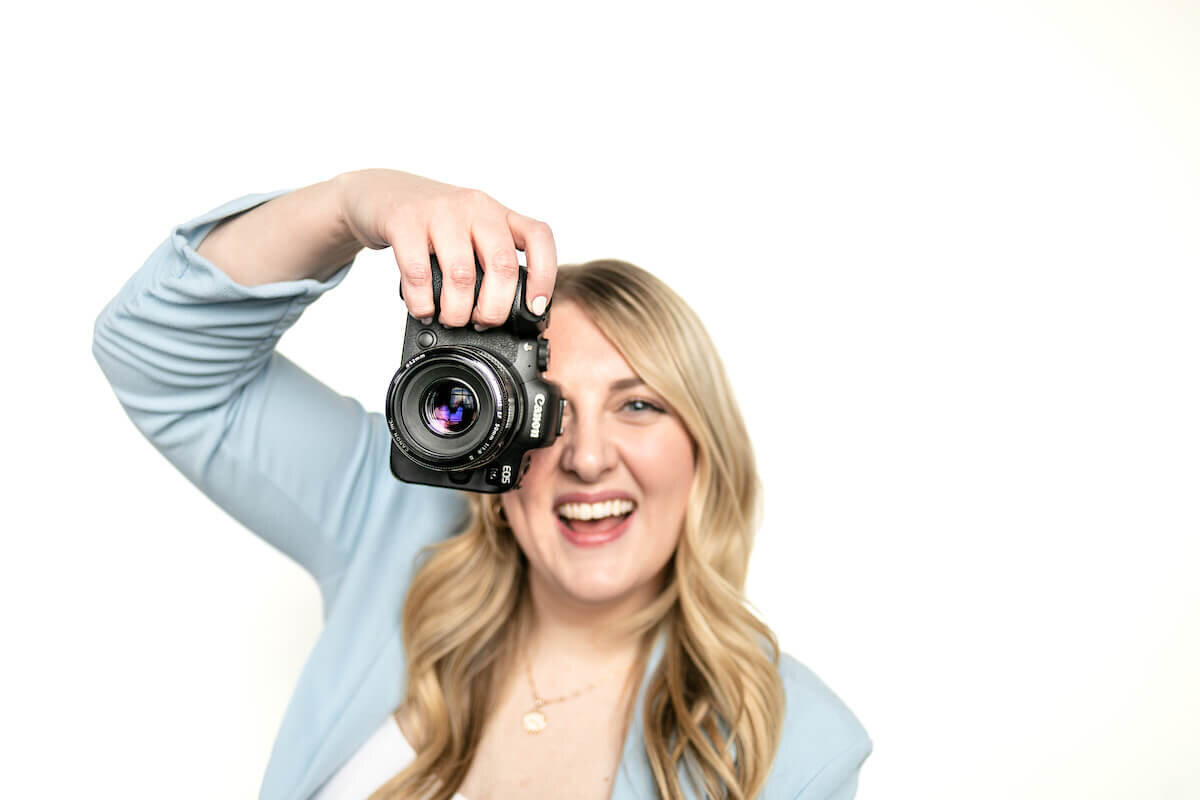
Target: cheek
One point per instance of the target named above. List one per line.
(666, 457)
(665, 470)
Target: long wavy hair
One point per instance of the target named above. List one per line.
(714, 706)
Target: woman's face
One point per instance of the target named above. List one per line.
(619, 440)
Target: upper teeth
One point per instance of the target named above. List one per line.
(595, 510)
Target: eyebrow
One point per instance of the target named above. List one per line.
(625, 383)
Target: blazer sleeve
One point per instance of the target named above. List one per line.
(191, 356)
(838, 779)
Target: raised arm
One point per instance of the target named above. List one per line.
(299, 234)
(188, 344)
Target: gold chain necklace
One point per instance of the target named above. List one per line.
(534, 720)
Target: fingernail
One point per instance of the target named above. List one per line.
(478, 327)
(538, 305)
(426, 320)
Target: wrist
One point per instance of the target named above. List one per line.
(300, 234)
(327, 217)
(336, 190)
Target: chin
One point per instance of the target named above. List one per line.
(597, 589)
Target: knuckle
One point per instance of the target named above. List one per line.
(444, 209)
(534, 228)
(478, 197)
(503, 262)
(416, 273)
(401, 211)
(405, 219)
(461, 276)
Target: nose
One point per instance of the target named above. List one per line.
(587, 451)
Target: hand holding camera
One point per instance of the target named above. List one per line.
(467, 404)
(417, 216)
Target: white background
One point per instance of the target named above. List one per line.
(949, 252)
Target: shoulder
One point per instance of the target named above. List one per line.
(822, 745)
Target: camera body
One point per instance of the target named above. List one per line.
(466, 406)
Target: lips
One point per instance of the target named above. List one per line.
(595, 537)
(588, 533)
(596, 497)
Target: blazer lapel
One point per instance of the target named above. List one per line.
(635, 780)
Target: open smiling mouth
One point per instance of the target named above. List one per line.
(599, 525)
(595, 525)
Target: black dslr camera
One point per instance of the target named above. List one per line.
(466, 407)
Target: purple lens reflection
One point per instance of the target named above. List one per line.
(450, 407)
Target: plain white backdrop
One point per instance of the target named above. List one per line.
(949, 251)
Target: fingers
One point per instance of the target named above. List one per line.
(455, 256)
(498, 255)
(410, 247)
(541, 258)
(459, 226)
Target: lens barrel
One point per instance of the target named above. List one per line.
(453, 408)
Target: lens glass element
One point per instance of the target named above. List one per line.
(450, 407)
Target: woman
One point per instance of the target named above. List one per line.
(583, 636)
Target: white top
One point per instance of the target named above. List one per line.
(377, 761)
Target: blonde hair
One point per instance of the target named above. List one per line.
(714, 706)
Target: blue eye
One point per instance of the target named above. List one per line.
(644, 404)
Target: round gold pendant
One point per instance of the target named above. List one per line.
(535, 721)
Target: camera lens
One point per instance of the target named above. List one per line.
(453, 407)
(450, 407)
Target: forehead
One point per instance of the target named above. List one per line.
(580, 354)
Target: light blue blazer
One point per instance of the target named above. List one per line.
(191, 356)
